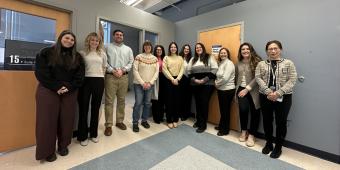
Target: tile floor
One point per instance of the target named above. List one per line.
(24, 158)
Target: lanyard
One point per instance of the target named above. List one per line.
(273, 72)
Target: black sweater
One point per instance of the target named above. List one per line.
(54, 77)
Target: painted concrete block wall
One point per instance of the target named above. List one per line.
(310, 33)
(86, 12)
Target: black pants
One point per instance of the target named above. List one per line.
(281, 110)
(172, 102)
(92, 87)
(185, 97)
(246, 104)
(158, 106)
(225, 98)
(202, 94)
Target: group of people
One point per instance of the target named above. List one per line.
(163, 84)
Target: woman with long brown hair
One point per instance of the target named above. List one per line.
(247, 92)
(60, 72)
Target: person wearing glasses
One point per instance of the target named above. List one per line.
(276, 78)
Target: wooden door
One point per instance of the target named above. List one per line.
(229, 37)
(17, 88)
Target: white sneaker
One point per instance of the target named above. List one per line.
(251, 141)
(84, 143)
(94, 140)
(243, 136)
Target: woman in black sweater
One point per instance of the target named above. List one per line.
(60, 72)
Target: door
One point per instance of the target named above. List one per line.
(230, 37)
(17, 88)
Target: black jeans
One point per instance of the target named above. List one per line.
(185, 97)
(280, 110)
(246, 104)
(202, 94)
(172, 102)
(158, 106)
(93, 88)
(225, 98)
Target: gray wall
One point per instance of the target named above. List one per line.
(86, 12)
(310, 33)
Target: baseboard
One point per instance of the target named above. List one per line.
(308, 150)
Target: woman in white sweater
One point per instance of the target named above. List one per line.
(93, 87)
(225, 84)
(145, 72)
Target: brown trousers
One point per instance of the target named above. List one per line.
(54, 120)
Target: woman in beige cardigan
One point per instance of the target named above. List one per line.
(247, 92)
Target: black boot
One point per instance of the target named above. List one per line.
(267, 148)
(276, 152)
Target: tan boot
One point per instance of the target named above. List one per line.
(243, 136)
(170, 125)
(250, 141)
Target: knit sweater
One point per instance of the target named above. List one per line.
(225, 75)
(145, 69)
(173, 66)
(243, 71)
(95, 64)
(200, 71)
(285, 76)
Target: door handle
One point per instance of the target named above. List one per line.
(301, 79)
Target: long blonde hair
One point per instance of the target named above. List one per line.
(87, 43)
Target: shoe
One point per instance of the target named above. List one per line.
(243, 136)
(157, 121)
(84, 143)
(108, 131)
(200, 130)
(175, 124)
(145, 125)
(135, 128)
(276, 153)
(195, 125)
(121, 126)
(217, 128)
(220, 133)
(267, 148)
(170, 125)
(94, 140)
(51, 158)
(63, 152)
(250, 141)
(184, 118)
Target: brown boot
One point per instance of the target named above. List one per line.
(121, 126)
(108, 131)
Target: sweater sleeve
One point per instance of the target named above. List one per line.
(165, 69)
(43, 72)
(181, 71)
(136, 71)
(288, 86)
(155, 75)
(78, 75)
(262, 85)
(228, 70)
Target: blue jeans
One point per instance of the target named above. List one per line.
(142, 97)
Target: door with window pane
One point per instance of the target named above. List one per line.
(23, 25)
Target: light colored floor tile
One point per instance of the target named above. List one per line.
(25, 158)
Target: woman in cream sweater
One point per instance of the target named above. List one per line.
(145, 72)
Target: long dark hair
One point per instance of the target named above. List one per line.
(71, 61)
(155, 51)
(254, 57)
(189, 55)
(203, 57)
(169, 52)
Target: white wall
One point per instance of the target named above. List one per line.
(86, 12)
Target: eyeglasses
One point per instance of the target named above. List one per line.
(272, 49)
